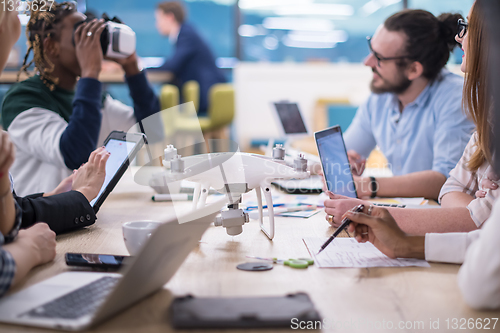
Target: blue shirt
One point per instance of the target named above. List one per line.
(430, 134)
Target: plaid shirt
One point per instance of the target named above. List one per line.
(463, 180)
(7, 263)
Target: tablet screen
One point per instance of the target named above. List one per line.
(120, 151)
(290, 118)
(335, 163)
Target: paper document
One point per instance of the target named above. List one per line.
(347, 252)
(400, 201)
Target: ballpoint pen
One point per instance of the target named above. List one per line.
(345, 224)
(255, 214)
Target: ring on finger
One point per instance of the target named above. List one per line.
(370, 209)
(89, 34)
(330, 219)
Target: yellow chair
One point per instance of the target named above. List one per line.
(181, 122)
(169, 97)
(220, 114)
(220, 111)
(191, 93)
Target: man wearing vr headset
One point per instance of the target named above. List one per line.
(59, 116)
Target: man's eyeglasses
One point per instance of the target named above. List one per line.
(380, 58)
(462, 28)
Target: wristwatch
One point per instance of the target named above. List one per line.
(373, 187)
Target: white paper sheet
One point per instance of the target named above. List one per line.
(347, 252)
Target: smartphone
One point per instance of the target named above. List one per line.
(95, 260)
(123, 148)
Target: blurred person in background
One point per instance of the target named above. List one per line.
(192, 58)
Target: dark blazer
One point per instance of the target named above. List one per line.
(62, 212)
(193, 60)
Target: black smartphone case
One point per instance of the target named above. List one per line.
(190, 312)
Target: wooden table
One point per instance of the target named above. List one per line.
(380, 296)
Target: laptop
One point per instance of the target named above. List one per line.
(78, 300)
(291, 124)
(289, 119)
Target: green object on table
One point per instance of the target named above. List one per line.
(293, 262)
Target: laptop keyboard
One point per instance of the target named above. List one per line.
(77, 303)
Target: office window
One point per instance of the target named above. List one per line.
(270, 30)
(314, 30)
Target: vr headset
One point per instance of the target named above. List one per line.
(117, 39)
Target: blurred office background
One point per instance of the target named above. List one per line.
(309, 51)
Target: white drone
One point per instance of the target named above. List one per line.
(232, 173)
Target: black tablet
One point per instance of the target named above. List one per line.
(123, 148)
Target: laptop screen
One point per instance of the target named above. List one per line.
(290, 118)
(336, 167)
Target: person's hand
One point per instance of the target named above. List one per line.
(90, 177)
(382, 231)
(41, 240)
(320, 173)
(363, 188)
(64, 186)
(88, 48)
(337, 205)
(315, 168)
(357, 163)
(7, 154)
(130, 64)
(487, 183)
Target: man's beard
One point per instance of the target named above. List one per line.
(388, 87)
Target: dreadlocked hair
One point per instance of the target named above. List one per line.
(43, 24)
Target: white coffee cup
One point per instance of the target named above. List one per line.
(137, 233)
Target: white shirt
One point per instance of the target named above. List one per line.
(39, 165)
(174, 35)
(479, 276)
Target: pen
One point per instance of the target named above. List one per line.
(345, 224)
(265, 206)
(172, 197)
(279, 210)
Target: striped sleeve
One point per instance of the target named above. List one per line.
(7, 263)
(461, 179)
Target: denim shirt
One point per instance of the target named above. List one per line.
(429, 134)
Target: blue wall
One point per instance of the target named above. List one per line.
(213, 21)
